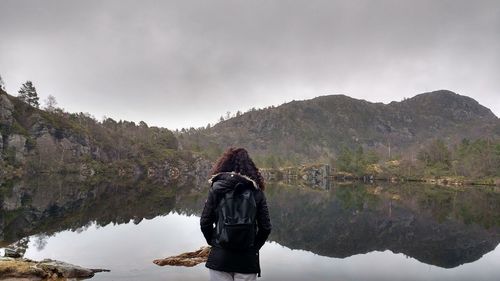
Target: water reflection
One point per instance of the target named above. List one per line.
(436, 225)
(125, 225)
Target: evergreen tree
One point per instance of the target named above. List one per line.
(28, 94)
(344, 160)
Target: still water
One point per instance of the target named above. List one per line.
(344, 232)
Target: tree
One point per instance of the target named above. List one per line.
(28, 94)
(50, 103)
(143, 124)
(2, 84)
(436, 158)
(435, 153)
(344, 160)
(355, 160)
(478, 158)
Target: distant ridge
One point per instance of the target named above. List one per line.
(310, 131)
(319, 127)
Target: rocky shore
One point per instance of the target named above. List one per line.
(322, 175)
(28, 270)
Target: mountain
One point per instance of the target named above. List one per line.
(316, 130)
(319, 128)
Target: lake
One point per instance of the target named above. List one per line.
(342, 231)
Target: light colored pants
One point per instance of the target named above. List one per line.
(231, 276)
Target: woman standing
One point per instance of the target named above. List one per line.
(235, 220)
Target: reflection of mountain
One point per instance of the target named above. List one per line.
(28, 208)
(441, 227)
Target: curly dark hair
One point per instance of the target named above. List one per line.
(237, 160)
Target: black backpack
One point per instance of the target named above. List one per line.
(236, 212)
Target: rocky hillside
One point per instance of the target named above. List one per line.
(320, 127)
(316, 130)
(38, 141)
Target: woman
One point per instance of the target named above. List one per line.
(235, 254)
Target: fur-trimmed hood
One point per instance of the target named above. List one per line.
(232, 175)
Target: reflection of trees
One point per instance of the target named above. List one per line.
(471, 206)
(83, 228)
(440, 226)
(40, 241)
(350, 220)
(76, 205)
(355, 197)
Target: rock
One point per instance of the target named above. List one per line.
(17, 142)
(12, 201)
(57, 153)
(11, 253)
(68, 270)
(20, 269)
(17, 249)
(202, 167)
(6, 108)
(25, 269)
(317, 175)
(188, 259)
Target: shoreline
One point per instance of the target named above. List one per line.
(47, 269)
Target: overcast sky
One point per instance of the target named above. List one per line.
(185, 63)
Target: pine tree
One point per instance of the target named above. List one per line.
(28, 94)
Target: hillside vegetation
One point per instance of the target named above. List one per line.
(432, 135)
(38, 141)
(439, 133)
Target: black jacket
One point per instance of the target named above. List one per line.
(246, 261)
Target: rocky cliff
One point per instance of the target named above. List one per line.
(38, 141)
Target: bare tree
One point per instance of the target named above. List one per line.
(41, 241)
(50, 103)
(2, 84)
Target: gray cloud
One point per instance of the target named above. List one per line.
(184, 63)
